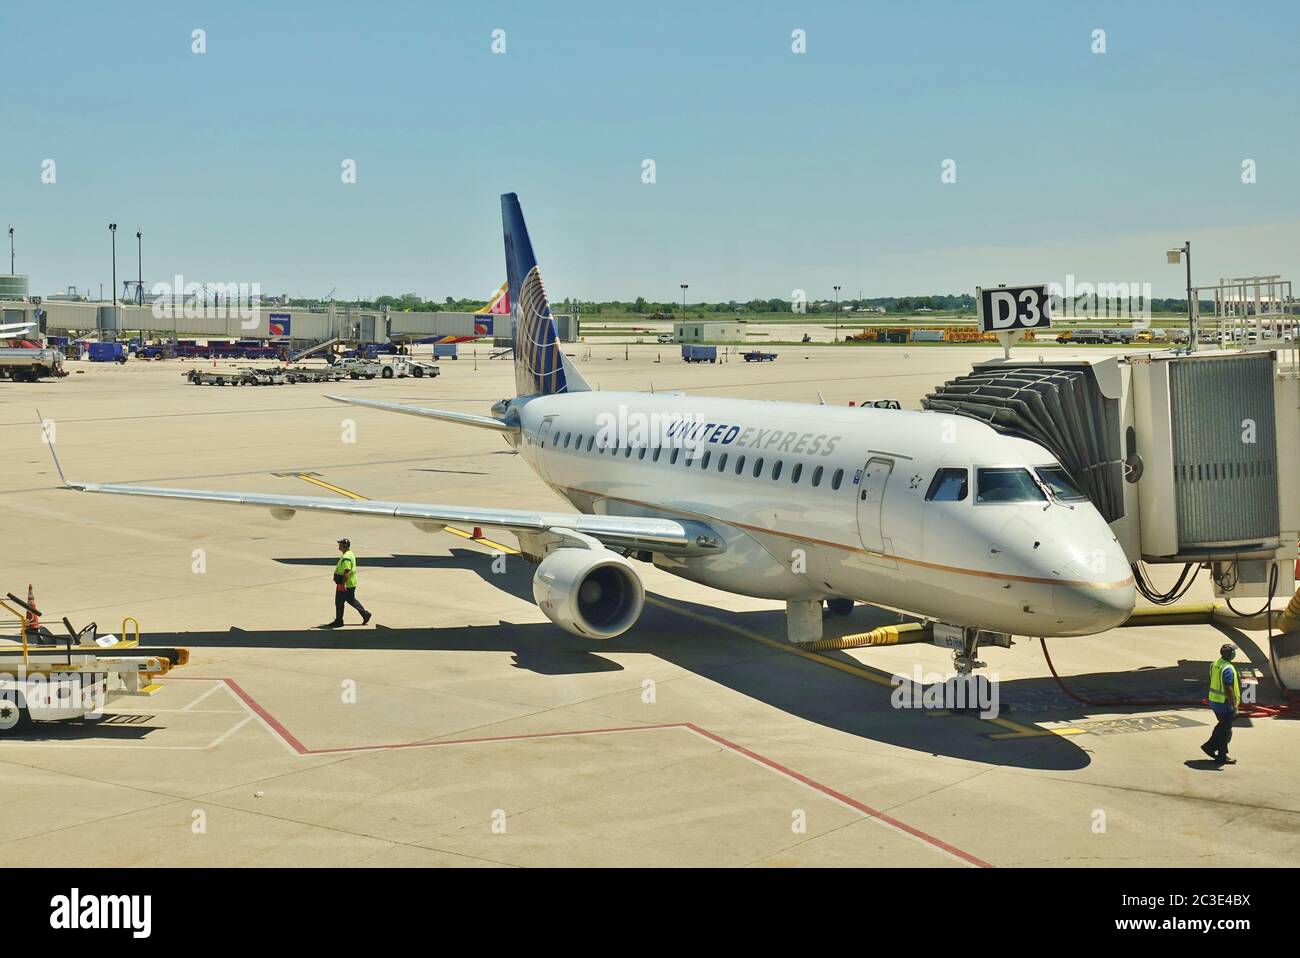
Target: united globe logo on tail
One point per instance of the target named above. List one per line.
(538, 367)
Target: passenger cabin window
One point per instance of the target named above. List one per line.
(658, 449)
(758, 466)
(740, 465)
(837, 478)
(704, 463)
(591, 441)
(1007, 485)
(817, 477)
(776, 469)
(948, 485)
(796, 472)
(672, 460)
(722, 462)
(1058, 480)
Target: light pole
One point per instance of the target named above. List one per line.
(11, 251)
(837, 312)
(139, 269)
(112, 230)
(1172, 256)
(685, 286)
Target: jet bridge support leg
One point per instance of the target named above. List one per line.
(803, 620)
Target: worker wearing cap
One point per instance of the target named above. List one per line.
(1224, 698)
(345, 586)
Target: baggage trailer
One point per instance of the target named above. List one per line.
(699, 354)
(312, 374)
(239, 377)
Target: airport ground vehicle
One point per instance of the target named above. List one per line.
(699, 354)
(106, 352)
(758, 356)
(665, 338)
(403, 366)
(76, 676)
(29, 365)
(156, 351)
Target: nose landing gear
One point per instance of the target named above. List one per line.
(965, 641)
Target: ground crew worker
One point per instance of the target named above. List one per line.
(1225, 699)
(345, 586)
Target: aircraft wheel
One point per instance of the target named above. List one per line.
(839, 606)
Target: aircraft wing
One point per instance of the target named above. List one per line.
(673, 536)
(462, 418)
(15, 329)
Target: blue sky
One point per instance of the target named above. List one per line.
(775, 171)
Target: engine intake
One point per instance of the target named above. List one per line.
(593, 593)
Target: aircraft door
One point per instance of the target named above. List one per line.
(871, 504)
(543, 440)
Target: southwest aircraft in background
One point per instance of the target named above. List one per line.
(927, 513)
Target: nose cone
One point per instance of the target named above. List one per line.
(1085, 605)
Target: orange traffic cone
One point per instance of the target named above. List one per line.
(478, 533)
(33, 617)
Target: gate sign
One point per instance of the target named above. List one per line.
(1007, 308)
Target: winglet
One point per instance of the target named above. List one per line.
(45, 437)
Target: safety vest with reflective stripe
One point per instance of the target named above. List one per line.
(1216, 682)
(347, 567)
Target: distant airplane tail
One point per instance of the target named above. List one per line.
(540, 365)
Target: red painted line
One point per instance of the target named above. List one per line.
(841, 797)
(493, 738)
(252, 704)
(874, 813)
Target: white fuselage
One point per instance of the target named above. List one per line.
(831, 502)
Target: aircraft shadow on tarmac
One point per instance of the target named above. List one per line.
(804, 688)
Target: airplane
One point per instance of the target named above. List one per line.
(923, 512)
(16, 330)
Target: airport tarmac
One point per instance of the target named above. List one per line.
(462, 728)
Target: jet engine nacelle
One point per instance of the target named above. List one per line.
(593, 593)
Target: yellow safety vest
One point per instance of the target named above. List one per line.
(1216, 682)
(347, 567)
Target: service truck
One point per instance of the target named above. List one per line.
(28, 365)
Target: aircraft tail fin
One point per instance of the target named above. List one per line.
(541, 368)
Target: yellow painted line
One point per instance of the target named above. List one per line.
(508, 550)
(348, 493)
(1016, 730)
(330, 486)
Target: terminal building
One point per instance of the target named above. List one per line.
(191, 320)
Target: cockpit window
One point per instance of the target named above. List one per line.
(948, 485)
(1058, 480)
(1008, 485)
